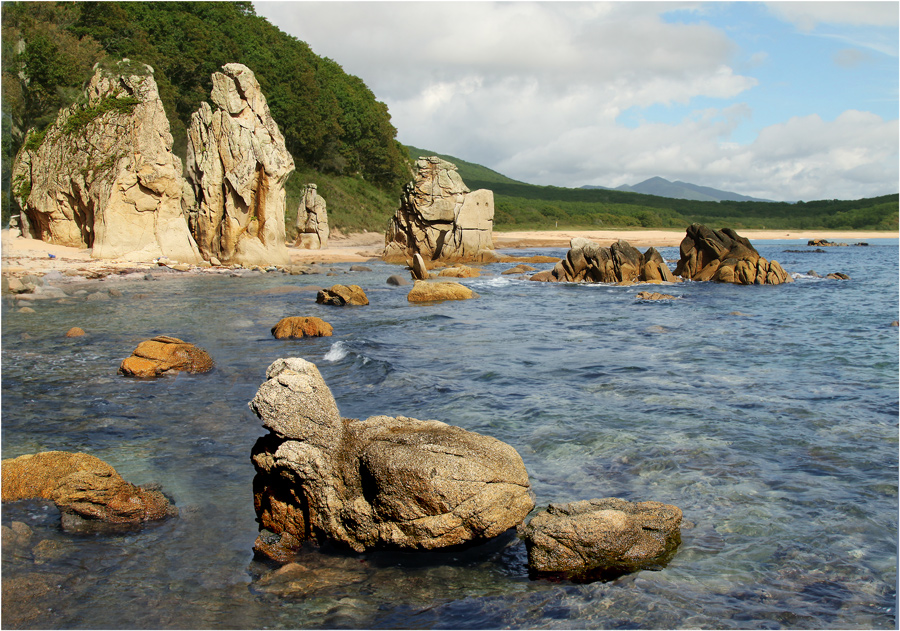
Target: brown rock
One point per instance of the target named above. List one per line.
(582, 539)
(519, 269)
(83, 487)
(302, 327)
(652, 295)
(75, 332)
(725, 257)
(419, 270)
(424, 291)
(460, 271)
(837, 276)
(340, 295)
(164, 354)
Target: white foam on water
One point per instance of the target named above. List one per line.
(337, 352)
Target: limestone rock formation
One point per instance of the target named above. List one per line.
(103, 176)
(84, 488)
(164, 354)
(237, 164)
(460, 271)
(440, 218)
(586, 261)
(602, 535)
(424, 291)
(724, 256)
(312, 220)
(418, 268)
(340, 295)
(302, 327)
(382, 482)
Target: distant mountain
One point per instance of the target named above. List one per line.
(662, 187)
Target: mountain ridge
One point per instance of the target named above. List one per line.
(678, 189)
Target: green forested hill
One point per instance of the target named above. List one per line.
(521, 206)
(332, 123)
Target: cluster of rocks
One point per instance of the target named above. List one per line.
(87, 491)
(103, 175)
(440, 218)
(827, 243)
(619, 263)
(726, 257)
(312, 220)
(403, 483)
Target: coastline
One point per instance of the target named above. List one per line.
(24, 256)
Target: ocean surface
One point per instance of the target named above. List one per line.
(769, 415)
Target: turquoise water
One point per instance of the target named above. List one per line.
(767, 414)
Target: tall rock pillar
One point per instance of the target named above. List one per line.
(237, 165)
(103, 175)
(440, 219)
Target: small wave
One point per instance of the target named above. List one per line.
(337, 352)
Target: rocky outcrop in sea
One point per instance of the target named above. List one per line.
(726, 257)
(237, 165)
(587, 261)
(440, 218)
(103, 175)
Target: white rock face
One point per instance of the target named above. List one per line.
(104, 176)
(440, 219)
(237, 164)
(312, 220)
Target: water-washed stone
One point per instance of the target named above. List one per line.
(601, 535)
(586, 261)
(383, 482)
(164, 354)
(83, 487)
(298, 326)
(341, 295)
(425, 291)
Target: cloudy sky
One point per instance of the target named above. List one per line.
(784, 100)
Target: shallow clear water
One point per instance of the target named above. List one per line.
(775, 431)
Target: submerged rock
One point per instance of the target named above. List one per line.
(726, 257)
(83, 487)
(383, 482)
(581, 539)
(164, 354)
(440, 218)
(653, 295)
(460, 271)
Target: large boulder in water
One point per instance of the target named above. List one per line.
(724, 256)
(383, 482)
(103, 175)
(440, 218)
(85, 489)
(586, 261)
(237, 164)
(598, 536)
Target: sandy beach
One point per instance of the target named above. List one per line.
(25, 256)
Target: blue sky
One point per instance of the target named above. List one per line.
(785, 100)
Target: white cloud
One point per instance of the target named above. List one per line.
(806, 16)
(534, 90)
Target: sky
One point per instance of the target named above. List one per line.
(784, 101)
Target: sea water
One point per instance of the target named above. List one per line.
(767, 414)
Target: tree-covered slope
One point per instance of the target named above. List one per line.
(332, 123)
